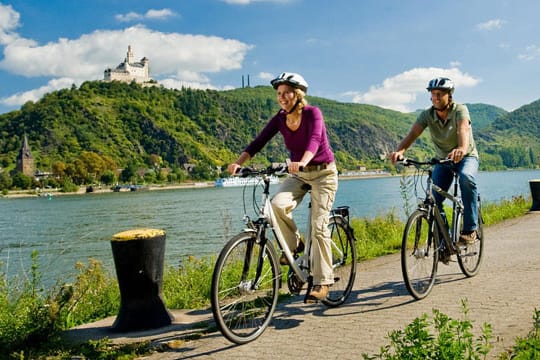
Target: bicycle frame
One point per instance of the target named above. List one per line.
(457, 210)
(267, 216)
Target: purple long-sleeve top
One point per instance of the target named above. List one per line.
(310, 136)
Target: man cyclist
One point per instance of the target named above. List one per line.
(449, 125)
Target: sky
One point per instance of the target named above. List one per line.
(378, 52)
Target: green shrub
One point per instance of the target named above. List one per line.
(94, 295)
(441, 338)
(378, 236)
(527, 348)
(25, 314)
(188, 286)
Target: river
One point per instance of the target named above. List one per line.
(71, 228)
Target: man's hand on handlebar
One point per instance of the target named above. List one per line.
(456, 155)
(396, 156)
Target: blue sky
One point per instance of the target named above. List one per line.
(379, 52)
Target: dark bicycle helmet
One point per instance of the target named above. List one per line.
(441, 83)
(292, 79)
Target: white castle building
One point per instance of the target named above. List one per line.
(129, 70)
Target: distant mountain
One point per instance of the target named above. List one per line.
(128, 125)
(483, 115)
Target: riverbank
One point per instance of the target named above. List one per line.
(83, 190)
(101, 189)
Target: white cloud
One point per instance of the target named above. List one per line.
(183, 59)
(150, 14)
(36, 94)
(266, 76)
(9, 21)
(532, 52)
(400, 91)
(491, 25)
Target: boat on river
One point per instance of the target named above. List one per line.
(241, 181)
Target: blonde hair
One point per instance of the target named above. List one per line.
(301, 95)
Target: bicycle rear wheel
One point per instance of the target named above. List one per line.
(470, 258)
(344, 261)
(419, 255)
(245, 288)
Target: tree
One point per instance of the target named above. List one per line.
(128, 173)
(5, 181)
(108, 177)
(22, 181)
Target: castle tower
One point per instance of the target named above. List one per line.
(129, 56)
(25, 161)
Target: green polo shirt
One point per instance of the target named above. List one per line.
(444, 136)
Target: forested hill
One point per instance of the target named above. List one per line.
(128, 124)
(515, 137)
(483, 115)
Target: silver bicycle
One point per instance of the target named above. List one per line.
(247, 275)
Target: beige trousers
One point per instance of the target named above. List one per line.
(324, 184)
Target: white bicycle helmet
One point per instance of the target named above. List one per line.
(441, 83)
(292, 79)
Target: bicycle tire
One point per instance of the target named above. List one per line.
(419, 254)
(343, 259)
(242, 311)
(469, 260)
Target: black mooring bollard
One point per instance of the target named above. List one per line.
(535, 194)
(138, 258)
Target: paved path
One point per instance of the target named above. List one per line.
(504, 294)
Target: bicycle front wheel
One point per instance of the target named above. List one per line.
(343, 260)
(245, 288)
(419, 255)
(470, 258)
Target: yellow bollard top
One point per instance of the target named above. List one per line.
(138, 234)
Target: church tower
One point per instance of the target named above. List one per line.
(25, 161)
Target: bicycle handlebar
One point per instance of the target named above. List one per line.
(433, 161)
(274, 169)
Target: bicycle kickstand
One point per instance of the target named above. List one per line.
(308, 291)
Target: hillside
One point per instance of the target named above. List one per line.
(129, 125)
(515, 137)
(483, 115)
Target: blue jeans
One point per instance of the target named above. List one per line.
(467, 170)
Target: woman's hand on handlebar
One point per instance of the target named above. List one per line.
(294, 167)
(233, 168)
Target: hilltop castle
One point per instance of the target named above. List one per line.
(129, 70)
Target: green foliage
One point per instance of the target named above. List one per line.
(515, 137)
(377, 237)
(483, 115)
(527, 348)
(188, 286)
(93, 296)
(452, 339)
(506, 209)
(406, 189)
(24, 316)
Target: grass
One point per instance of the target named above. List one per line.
(32, 318)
